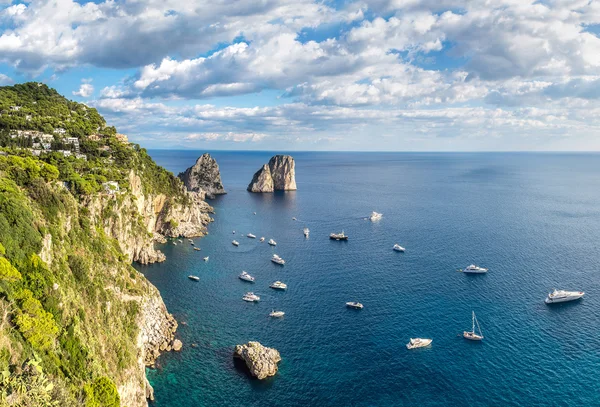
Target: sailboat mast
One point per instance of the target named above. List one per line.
(473, 319)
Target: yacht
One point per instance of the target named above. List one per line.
(180, 241)
(563, 296)
(338, 236)
(246, 277)
(398, 248)
(418, 343)
(235, 243)
(234, 232)
(353, 304)
(251, 236)
(272, 242)
(306, 232)
(195, 278)
(262, 239)
(277, 259)
(471, 335)
(197, 249)
(251, 297)
(206, 258)
(276, 314)
(278, 285)
(174, 243)
(375, 216)
(475, 269)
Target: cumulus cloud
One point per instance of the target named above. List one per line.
(235, 137)
(5, 79)
(86, 90)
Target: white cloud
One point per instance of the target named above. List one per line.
(85, 90)
(235, 137)
(5, 79)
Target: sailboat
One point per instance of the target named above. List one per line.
(471, 335)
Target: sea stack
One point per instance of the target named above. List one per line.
(204, 176)
(278, 175)
(261, 361)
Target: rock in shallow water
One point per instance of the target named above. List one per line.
(261, 361)
(278, 175)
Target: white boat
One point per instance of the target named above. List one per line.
(277, 259)
(255, 213)
(471, 335)
(294, 218)
(418, 343)
(306, 232)
(338, 236)
(563, 296)
(473, 269)
(175, 244)
(262, 239)
(235, 243)
(246, 277)
(375, 216)
(251, 236)
(278, 285)
(272, 242)
(276, 314)
(399, 248)
(205, 258)
(251, 297)
(353, 304)
(234, 232)
(195, 278)
(180, 241)
(197, 249)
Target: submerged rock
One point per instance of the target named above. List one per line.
(261, 361)
(278, 175)
(204, 176)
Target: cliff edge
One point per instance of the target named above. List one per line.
(204, 176)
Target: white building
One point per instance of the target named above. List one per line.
(111, 187)
(60, 131)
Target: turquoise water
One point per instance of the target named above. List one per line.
(532, 219)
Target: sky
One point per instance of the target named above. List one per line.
(364, 75)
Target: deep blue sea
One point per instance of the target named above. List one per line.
(532, 219)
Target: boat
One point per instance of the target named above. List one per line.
(246, 277)
(234, 232)
(272, 242)
(418, 343)
(306, 232)
(251, 236)
(294, 219)
(190, 240)
(192, 243)
(277, 259)
(255, 213)
(563, 296)
(235, 243)
(375, 216)
(262, 239)
(276, 314)
(338, 236)
(278, 285)
(471, 335)
(205, 258)
(197, 249)
(473, 269)
(251, 297)
(398, 248)
(195, 278)
(180, 241)
(353, 304)
(175, 244)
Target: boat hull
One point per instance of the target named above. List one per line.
(475, 271)
(423, 344)
(472, 336)
(549, 300)
(338, 238)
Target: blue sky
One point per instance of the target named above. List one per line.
(391, 75)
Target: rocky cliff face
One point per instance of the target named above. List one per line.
(137, 221)
(204, 176)
(278, 175)
(261, 361)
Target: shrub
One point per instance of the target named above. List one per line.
(35, 324)
(8, 272)
(104, 394)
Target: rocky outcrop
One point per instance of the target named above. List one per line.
(138, 220)
(157, 330)
(204, 176)
(278, 175)
(261, 361)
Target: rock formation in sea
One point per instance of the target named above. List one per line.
(261, 361)
(204, 176)
(278, 175)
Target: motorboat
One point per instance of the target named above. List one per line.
(235, 243)
(306, 232)
(174, 244)
(356, 305)
(375, 216)
(197, 249)
(418, 343)
(272, 242)
(251, 236)
(234, 232)
(205, 258)
(255, 213)
(246, 277)
(278, 285)
(251, 297)
(294, 218)
(276, 314)
(563, 296)
(398, 248)
(338, 236)
(180, 241)
(195, 278)
(472, 335)
(190, 240)
(262, 239)
(277, 259)
(192, 243)
(473, 269)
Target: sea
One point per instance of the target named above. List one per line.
(532, 219)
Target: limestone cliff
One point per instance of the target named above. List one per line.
(278, 175)
(204, 176)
